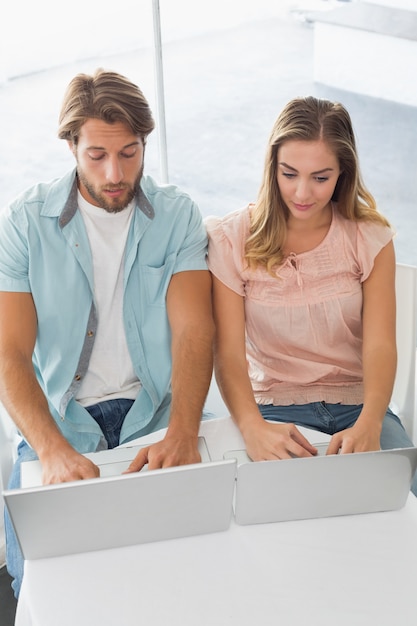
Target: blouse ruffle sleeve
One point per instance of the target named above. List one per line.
(226, 237)
(372, 237)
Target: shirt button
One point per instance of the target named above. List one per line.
(77, 377)
(90, 333)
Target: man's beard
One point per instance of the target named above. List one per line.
(103, 201)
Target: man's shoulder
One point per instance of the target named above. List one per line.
(37, 195)
(165, 195)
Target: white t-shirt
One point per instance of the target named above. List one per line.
(110, 372)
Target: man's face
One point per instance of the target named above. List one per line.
(109, 164)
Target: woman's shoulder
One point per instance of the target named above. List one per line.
(226, 241)
(363, 229)
(231, 225)
(361, 241)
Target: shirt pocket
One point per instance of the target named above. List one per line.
(156, 281)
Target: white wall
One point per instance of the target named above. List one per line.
(42, 34)
(409, 5)
(39, 35)
(346, 67)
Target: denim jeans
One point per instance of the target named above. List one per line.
(14, 557)
(332, 418)
(109, 415)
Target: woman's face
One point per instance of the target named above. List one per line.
(307, 174)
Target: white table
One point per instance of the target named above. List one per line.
(356, 570)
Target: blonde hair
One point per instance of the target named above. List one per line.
(106, 96)
(306, 119)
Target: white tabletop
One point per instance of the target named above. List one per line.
(358, 570)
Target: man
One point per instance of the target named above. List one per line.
(105, 313)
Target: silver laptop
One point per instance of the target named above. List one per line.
(110, 463)
(321, 486)
(122, 510)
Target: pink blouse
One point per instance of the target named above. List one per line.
(304, 327)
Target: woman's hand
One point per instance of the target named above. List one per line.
(358, 438)
(267, 441)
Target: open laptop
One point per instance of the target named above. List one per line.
(321, 486)
(110, 463)
(122, 510)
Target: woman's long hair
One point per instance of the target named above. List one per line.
(306, 119)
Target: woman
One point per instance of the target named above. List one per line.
(304, 296)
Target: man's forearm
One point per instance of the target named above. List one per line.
(192, 366)
(25, 402)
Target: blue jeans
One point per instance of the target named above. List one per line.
(332, 418)
(109, 415)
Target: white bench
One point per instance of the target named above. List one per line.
(369, 49)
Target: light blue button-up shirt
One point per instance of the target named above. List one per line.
(44, 250)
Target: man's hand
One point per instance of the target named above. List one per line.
(67, 466)
(169, 452)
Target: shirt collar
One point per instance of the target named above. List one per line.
(67, 187)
